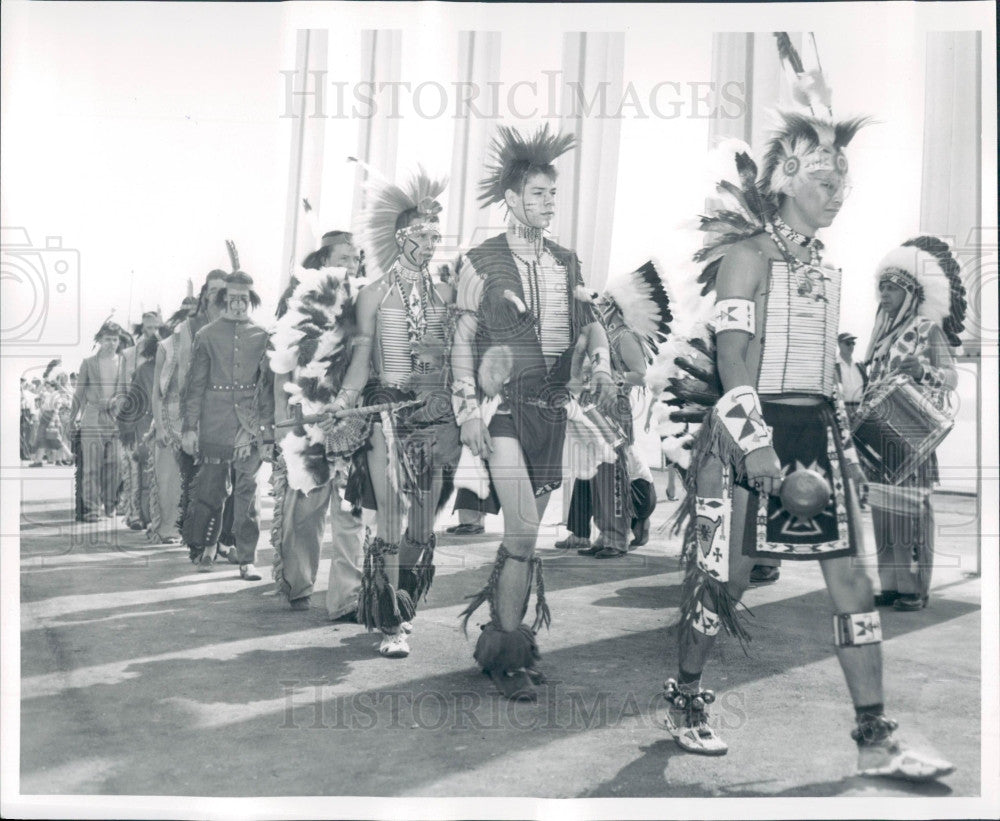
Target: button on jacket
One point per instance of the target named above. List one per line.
(221, 396)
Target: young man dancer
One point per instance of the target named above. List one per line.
(517, 291)
(773, 472)
(228, 408)
(403, 335)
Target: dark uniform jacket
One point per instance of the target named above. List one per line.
(229, 387)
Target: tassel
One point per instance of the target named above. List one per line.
(488, 593)
(506, 650)
(378, 602)
(543, 616)
(405, 605)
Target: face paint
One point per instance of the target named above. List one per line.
(237, 303)
(535, 206)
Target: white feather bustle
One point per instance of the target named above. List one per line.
(926, 269)
(285, 339)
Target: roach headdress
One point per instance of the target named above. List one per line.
(512, 156)
(386, 202)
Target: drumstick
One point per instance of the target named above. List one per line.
(343, 413)
(906, 500)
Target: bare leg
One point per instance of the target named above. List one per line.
(391, 506)
(521, 516)
(851, 592)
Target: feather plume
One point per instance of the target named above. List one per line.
(511, 154)
(234, 257)
(787, 52)
(312, 221)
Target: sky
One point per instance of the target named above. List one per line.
(144, 135)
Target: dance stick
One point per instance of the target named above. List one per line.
(343, 413)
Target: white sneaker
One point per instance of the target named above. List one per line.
(394, 646)
(406, 627)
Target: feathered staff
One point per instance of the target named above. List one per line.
(809, 88)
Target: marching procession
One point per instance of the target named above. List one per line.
(386, 382)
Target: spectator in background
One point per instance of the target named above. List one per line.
(852, 375)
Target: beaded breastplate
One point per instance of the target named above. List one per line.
(799, 331)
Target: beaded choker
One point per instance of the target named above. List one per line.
(526, 232)
(792, 235)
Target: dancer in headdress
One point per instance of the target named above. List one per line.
(228, 419)
(920, 315)
(401, 350)
(311, 348)
(519, 324)
(773, 472)
(635, 311)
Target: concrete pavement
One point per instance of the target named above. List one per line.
(141, 677)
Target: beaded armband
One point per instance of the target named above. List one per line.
(740, 413)
(464, 401)
(735, 315)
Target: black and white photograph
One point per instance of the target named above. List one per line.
(449, 410)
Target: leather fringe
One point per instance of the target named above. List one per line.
(279, 487)
(379, 603)
(488, 593)
(420, 576)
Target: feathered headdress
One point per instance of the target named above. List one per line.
(925, 268)
(386, 201)
(512, 156)
(641, 299)
(804, 145)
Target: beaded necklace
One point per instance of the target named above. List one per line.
(415, 305)
(802, 271)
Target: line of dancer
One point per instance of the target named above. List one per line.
(383, 390)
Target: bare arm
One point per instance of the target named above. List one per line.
(631, 354)
(740, 276)
(359, 370)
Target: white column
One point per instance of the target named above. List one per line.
(951, 193)
(732, 62)
(305, 171)
(478, 65)
(378, 134)
(593, 83)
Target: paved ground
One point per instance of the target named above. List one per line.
(140, 676)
